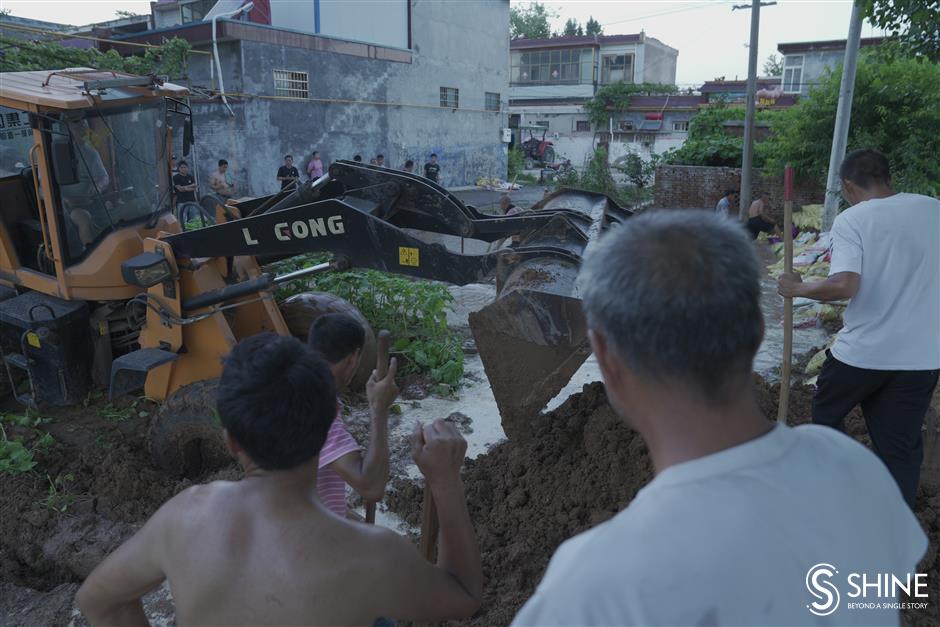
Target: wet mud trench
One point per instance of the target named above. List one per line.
(579, 467)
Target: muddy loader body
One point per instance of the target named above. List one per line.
(101, 285)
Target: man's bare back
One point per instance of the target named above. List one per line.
(265, 551)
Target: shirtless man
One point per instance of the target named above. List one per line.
(264, 550)
(758, 220)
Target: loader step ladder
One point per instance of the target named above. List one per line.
(21, 362)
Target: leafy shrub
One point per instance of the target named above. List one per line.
(516, 163)
(414, 311)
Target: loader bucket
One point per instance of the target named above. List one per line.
(533, 337)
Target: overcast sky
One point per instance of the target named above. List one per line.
(710, 37)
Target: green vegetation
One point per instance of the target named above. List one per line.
(912, 22)
(414, 311)
(530, 22)
(16, 456)
(596, 177)
(516, 161)
(773, 66)
(111, 413)
(167, 59)
(616, 98)
(709, 143)
(58, 496)
(572, 28)
(593, 27)
(895, 109)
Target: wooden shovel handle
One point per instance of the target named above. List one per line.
(382, 345)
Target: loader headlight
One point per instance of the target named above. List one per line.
(146, 269)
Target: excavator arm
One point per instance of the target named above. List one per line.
(531, 339)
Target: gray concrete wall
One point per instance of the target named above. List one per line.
(463, 45)
(659, 63)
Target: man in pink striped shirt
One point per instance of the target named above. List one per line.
(339, 339)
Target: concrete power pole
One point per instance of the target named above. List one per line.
(747, 159)
(840, 133)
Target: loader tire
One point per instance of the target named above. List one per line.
(185, 438)
(301, 310)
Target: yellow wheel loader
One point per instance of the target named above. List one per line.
(101, 285)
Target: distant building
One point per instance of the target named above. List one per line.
(551, 79)
(404, 78)
(804, 63)
(769, 93)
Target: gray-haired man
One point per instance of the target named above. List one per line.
(741, 510)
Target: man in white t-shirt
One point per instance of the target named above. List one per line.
(743, 515)
(885, 258)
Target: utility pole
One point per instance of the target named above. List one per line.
(840, 133)
(747, 158)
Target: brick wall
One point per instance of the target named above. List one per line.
(701, 187)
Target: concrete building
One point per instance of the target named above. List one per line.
(804, 63)
(551, 79)
(404, 78)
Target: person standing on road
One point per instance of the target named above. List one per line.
(735, 494)
(886, 358)
(315, 167)
(287, 174)
(339, 339)
(723, 208)
(184, 184)
(432, 170)
(409, 167)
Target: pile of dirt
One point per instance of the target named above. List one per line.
(580, 467)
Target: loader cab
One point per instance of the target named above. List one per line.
(85, 176)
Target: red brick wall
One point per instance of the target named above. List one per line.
(701, 187)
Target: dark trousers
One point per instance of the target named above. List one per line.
(894, 403)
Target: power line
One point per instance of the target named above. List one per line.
(643, 17)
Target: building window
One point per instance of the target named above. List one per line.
(793, 74)
(626, 126)
(492, 101)
(616, 68)
(681, 126)
(195, 11)
(548, 66)
(542, 123)
(450, 97)
(582, 126)
(290, 84)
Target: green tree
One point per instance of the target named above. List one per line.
(593, 27)
(19, 55)
(773, 66)
(572, 28)
(616, 98)
(914, 22)
(530, 22)
(895, 109)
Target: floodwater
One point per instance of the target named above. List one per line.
(475, 398)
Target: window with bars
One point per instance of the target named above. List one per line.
(291, 84)
(680, 126)
(450, 97)
(492, 101)
(581, 126)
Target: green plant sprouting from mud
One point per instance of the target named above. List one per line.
(15, 456)
(58, 497)
(414, 311)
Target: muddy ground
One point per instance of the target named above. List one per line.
(580, 467)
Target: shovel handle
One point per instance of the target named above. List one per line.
(430, 525)
(783, 407)
(382, 345)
